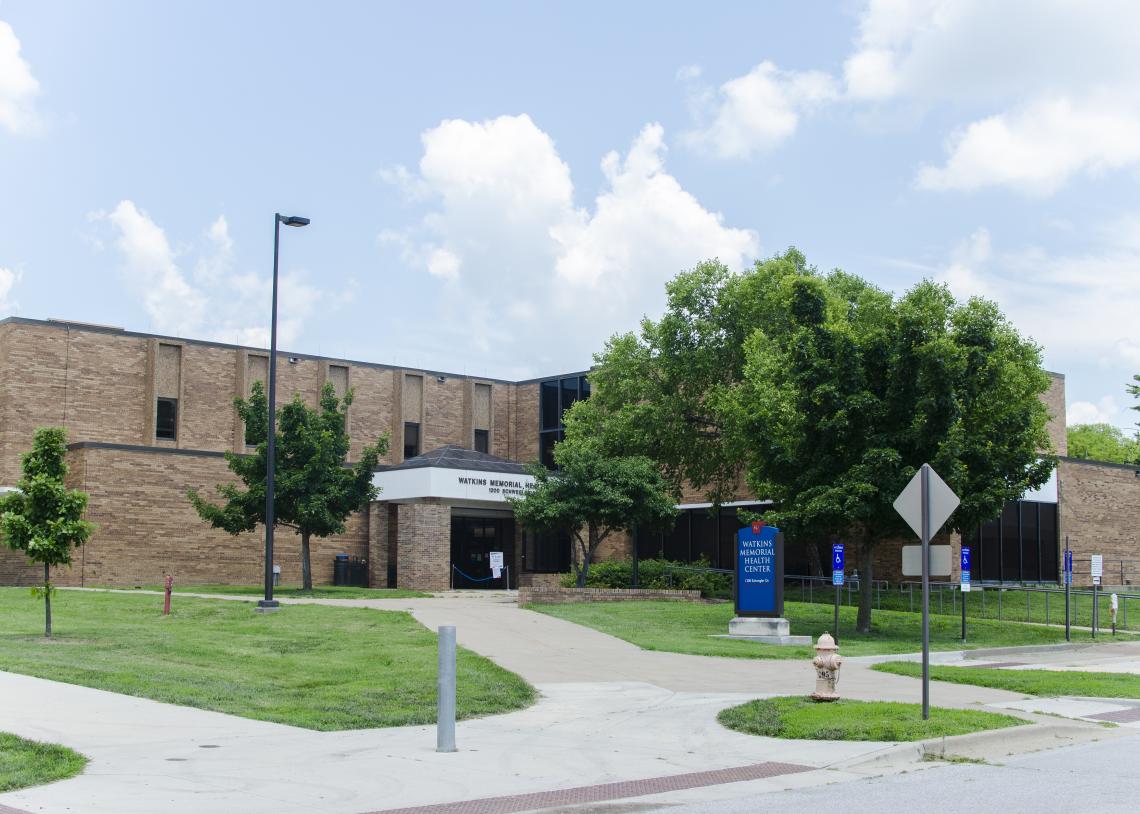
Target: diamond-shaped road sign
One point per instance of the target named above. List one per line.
(943, 502)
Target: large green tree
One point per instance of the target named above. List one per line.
(43, 518)
(1103, 442)
(825, 394)
(314, 489)
(592, 495)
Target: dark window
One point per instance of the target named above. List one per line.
(1011, 542)
(705, 535)
(550, 413)
(482, 440)
(546, 447)
(555, 398)
(990, 557)
(569, 396)
(411, 439)
(1030, 548)
(547, 553)
(166, 419)
(677, 543)
(1047, 524)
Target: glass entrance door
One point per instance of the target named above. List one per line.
(472, 541)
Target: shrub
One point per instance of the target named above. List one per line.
(659, 574)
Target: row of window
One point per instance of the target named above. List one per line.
(555, 398)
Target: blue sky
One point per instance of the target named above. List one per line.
(496, 188)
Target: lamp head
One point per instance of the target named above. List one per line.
(293, 220)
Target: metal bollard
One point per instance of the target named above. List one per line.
(445, 716)
(166, 603)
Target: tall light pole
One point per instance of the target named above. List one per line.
(269, 603)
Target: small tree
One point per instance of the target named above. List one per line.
(1102, 442)
(591, 496)
(314, 490)
(44, 519)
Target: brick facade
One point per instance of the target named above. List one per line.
(424, 558)
(101, 385)
(1100, 514)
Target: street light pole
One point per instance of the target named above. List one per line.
(269, 603)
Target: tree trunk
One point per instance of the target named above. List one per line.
(584, 549)
(866, 584)
(306, 567)
(815, 562)
(47, 601)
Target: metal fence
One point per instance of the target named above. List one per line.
(1034, 604)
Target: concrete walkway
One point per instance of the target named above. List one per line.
(609, 712)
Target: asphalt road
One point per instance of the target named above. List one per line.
(1086, 778)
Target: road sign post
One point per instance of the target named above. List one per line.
(1096, 568)
(926, 503)
(965, 585)
(837, 561)
(1068, 584)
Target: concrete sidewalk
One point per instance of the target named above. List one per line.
(609, 712)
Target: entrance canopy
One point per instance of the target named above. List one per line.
(454, 473)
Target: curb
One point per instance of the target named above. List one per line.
(1038, 735)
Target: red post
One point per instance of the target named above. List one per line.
(169, 588)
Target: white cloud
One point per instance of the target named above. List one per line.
(1080, 306)
(214, 302)
(1038, 147)
(18, 88)
(1105, 411)
(8, 280)
(1056, 78)
(523, 267)
(755, 112)
(979, 50)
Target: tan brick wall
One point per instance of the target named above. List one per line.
(378, 545)
(1054, 399)
(146, 527)
(1100, 513)
(524, 446)
(423, 559)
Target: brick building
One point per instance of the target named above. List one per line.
(149, 417)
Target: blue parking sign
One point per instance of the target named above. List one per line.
(837, 564)
(965, 559)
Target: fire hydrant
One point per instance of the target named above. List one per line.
(827, 662)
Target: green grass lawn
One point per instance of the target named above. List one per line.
(686, 627)
(1029, 682)
(318, 592)
(26, 763)
(800, 718)
(1004, 604)
(307, 665)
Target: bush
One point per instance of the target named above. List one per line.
(659, 574)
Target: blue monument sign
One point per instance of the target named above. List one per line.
(759, 571)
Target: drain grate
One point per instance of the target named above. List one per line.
(605, 791)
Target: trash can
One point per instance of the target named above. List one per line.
(358, 572)
(340, 569)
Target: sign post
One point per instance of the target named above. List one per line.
(965, 585)
(1096, 567)
(837, 580)
(759, 600)
(925, 503)
(1068, 583)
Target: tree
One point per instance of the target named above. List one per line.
(1103, 442)
(1134, 389)
(44, 518)
(591, 495)
(314, 490)
(825, 394)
